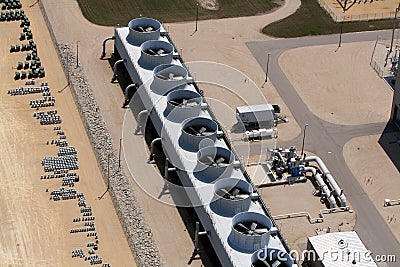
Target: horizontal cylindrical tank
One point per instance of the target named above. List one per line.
(250, 231)
(142, 30)
(231, 196)
(271, 257)
(259, 134)
(198, 132)
(154, 53)
(183, 104)
(214, 162)
(168, 77)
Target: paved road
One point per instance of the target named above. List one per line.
(324, 137)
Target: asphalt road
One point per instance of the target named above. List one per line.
(324, 137)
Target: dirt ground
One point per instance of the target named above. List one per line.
(36, 230)
(376, 174)
(362, 9)
(353, 98)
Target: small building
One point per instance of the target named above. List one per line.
(338, 249)
(256, 116)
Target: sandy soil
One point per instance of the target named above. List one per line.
(36, 230)
(356, 94)
(363, 9)
(376, 174)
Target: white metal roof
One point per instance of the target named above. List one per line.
(260, 113)
(341, 249)
(255, 108)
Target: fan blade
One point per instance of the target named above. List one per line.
(212, 162)
(184, 102)
(241, 196)
(243, 227)
(177, 77)
(160, 51)
(140, 28)
(261, 231)
(253, 226)
(171, 76)
(174, 102)
(151, 51)
(224, 192)
(235, 191)
(196, 132)
(202, 130)
(276, 263)
(223, 164)
(162, 76)
(149, 29)
(220, 160)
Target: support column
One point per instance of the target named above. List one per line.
(103, 53)
(114, 78)
(140, 120)
(126, 93)
(152, 145)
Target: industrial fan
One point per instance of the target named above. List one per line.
(233, 193)
(215, 161)
(250, 228)
(183, 102)
(169, 76)
(156, 51)
(198, 131)
(144, 29)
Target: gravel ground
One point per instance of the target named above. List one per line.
(136, 230)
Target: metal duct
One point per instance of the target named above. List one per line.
(142, 30)
(168, 77)
(323, 186)
(231, 196)
(154, 53)
(328, 175)
(250, 231)
(271, 257)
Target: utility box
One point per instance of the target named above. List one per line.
(256, 116)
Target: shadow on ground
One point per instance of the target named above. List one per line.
(390, 143)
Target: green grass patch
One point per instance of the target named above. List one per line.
(111, 12)
(311, 19)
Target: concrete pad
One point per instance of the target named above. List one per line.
(299, 198)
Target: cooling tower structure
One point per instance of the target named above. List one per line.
(233, 215)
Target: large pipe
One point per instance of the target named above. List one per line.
(328, 175)
(115, 69)
(323, 186)
(103, 53)
(126, 93)
(140, 120)
(152, 145)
